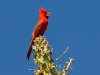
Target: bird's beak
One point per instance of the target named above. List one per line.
(48, 14)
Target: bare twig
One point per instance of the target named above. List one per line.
(60, 64)
(33, 69)
(62, 54)
(69, 63)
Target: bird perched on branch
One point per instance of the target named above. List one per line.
(39, 28)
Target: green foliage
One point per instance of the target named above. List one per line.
(42, 57)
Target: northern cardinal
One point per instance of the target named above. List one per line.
(39, 28)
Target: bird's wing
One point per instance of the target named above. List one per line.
(34, 34)
(38, 26)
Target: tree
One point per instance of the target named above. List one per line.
(42, 57)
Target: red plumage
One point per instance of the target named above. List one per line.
(39, 29)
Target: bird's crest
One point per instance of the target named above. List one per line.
(42, 10)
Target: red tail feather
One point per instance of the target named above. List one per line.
(29, 51)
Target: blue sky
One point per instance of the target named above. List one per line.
(74, 23)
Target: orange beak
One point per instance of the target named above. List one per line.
(48, 14)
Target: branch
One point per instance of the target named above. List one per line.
(62, 54)
(69, 63)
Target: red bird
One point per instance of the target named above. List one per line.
(39, 28)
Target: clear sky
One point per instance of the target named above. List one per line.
(74, 23)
